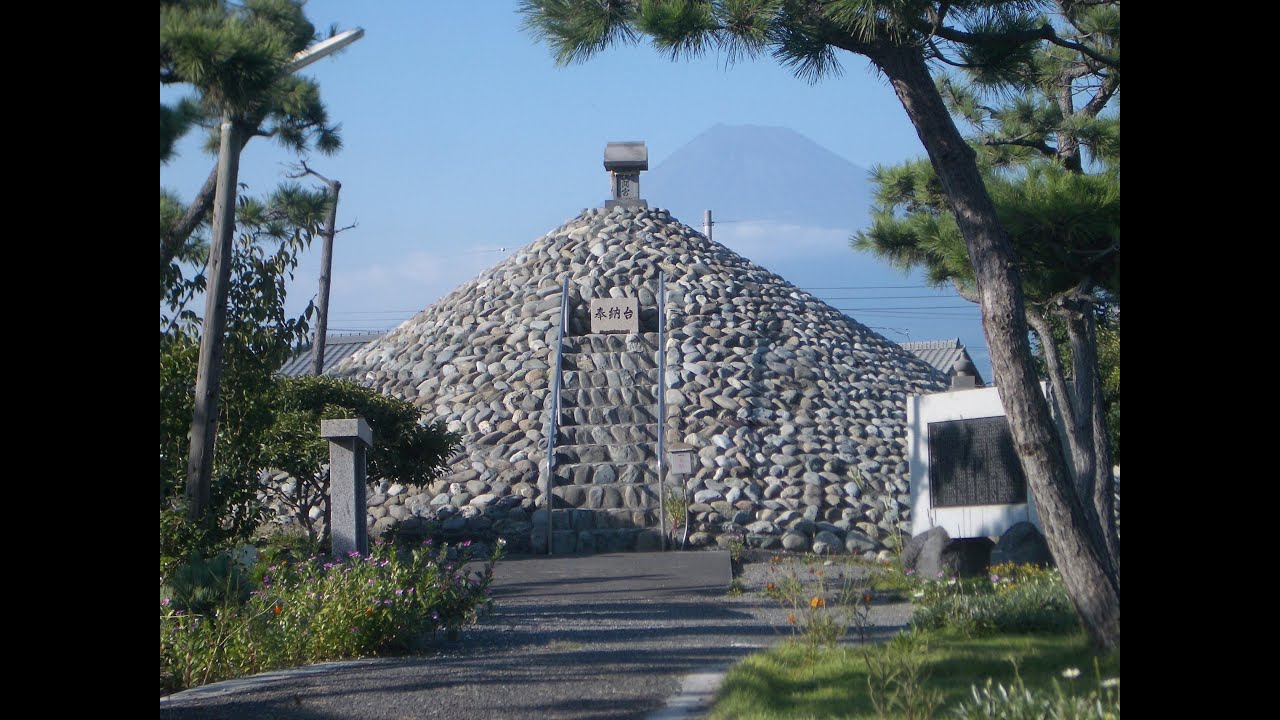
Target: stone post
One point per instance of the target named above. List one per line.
(348, 442)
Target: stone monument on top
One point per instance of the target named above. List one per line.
(625, 161)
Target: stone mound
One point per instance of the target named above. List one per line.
(796, 413)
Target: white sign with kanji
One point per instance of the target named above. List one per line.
(613, 315)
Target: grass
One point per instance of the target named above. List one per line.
(795, 681)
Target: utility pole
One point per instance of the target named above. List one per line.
(204, 420)
(326, 270)
(706, 223)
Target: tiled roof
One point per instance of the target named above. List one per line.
(336, 349)
(942, 354)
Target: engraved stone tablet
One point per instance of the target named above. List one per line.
(973, 462)
(615, 315)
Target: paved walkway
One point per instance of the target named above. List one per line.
(602, 636)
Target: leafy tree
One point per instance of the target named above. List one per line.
(901, 38)
(260, 337)
(404, 449)
(240, 59)
(266, 421)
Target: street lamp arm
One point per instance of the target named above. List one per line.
(323, 49)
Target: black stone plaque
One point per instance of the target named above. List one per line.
(972, 462)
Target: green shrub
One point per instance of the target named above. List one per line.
(404, 449)
(316, 609)
(259, 337)
(202, 585)
(1023, 599)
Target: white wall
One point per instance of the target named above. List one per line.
(960, 522)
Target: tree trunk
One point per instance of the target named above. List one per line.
(1061, 393)
(1087, 571)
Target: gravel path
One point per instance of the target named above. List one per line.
(601, 637)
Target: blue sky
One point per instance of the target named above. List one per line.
(464, 142)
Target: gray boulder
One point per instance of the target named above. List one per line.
(1020, 544)
(934, 554)
(923, 553)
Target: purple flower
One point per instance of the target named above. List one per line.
(400, 591)
(353, 553)
(910, 572)
(164, 602)
(466, 543)
(995, 577)
(386, 602)
(372, 581)
(435, 616)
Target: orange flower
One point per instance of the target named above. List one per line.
(816, 602)
(277, 608)
(770, 587)
(368, 612)
(791, 619)
(866, 598)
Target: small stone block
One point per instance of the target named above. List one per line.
(346, 428)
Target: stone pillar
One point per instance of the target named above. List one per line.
(964, 375)
(348, 443)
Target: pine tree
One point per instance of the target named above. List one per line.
(1034, 126)
(234, 57)
(901, 38)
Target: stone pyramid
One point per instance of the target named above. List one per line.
(794, 412)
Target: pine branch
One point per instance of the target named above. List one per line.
(306, 170)
(1039, 145)
(1100, 99)
(964, 292)
(937, 54)
(1044, 32)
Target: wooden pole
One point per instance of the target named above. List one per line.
(204, 421)
(326, 269)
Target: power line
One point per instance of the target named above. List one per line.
(869, 287)
(892, 297)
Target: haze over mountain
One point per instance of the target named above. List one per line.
(747, 172)
(791, 205)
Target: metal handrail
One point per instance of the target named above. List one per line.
(662, 404)
(554, 422)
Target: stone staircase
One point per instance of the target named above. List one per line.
(606, 446)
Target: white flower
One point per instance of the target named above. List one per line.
(1111, 683)
(1071, 673)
